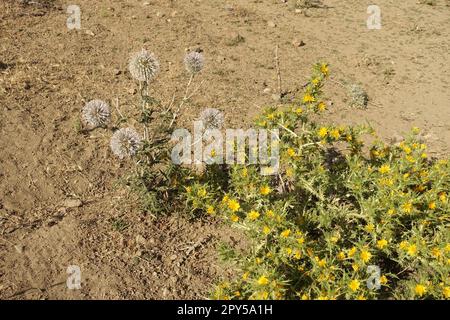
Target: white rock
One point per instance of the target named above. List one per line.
(72, 203)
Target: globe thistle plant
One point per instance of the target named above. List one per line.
(194, 62)
(359, 97)
(96, 113)
(125, 142)
(143, 66)
(212, 119)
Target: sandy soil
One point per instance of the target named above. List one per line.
(61, 202)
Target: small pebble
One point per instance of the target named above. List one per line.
(72, 203)
(19, 248)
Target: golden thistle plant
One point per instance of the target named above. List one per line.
(337, 210)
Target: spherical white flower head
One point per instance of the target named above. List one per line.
(143, 66)
(194, 62)
(212, 119)
(125, 142)
(96, 113)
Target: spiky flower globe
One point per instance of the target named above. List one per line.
(211, 119)
(96, 113)
(143, 66)
(359, 97)
(125, 142)
(194, 62)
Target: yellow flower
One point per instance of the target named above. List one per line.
(341, 255)
(315, 81)
(285, 233)
(335, 134)
(289, 251)
(365, 256)
(265, 190)
(407, 207)
(213, 153)
(432, 205)
(384, 169)
(297, 254)
(446, 292)
(323, 132)
(334, 239)
(253, 215)
(244, 172)
(233, 205)
(361, 297)
(308, 98)
(299, 111)
(301, 240)
(420, 290)
(266, 230)
(245, 276)
(188, 189)
(202, 192)
(262, 281)
(407, 149)
(305, 297)
(447, 247)
(424, 155)
(270, 116)
(349, 138)
(383, 280)
(322, 106)
(270, 213)
(291, 152)
(403, 245)
(412, 250)
(436, 252)
(442, 196)
(225, 199)
(370, 227)
(391, 212)
(324, 69)
(351, 252)
(386, 182)
(354, 285)
(321, 262)
(234, 218)
(355, 267)
(382, 243)
(210, 210)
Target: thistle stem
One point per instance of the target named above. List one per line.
(185, 98)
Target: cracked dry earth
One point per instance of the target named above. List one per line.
(61, 200)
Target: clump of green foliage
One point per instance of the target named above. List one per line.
(340, 219)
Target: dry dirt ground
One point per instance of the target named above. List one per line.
(61, 201)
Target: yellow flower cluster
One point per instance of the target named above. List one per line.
(326, 217)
